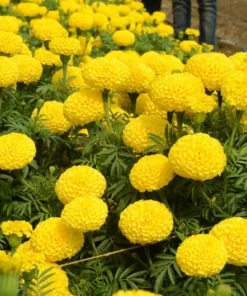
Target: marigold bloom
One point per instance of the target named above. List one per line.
(79, 181)
(201, 255)
(16, 151)
(56, 240)
(9, 72)
(187, 45)
(65, 46)
(9, 24)
(30, 9)
(19, 228)
(233, 233)
(46, 57)
(9, 264)
(198, 157)
(10, 43)
(100, 20)
(144, 105)
(82, 21)
(4, 2)
(239, 61)
(123, 38)
(155, 222)
(164, 30)
(121, 99)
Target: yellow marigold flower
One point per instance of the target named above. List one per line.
(86, 213)
(16, 151)
(155, 222)
(19, 228)
(9, 72)
(234, 89)
(158, 17)
(135, 293)
(136, 133)
(69, 6)
(82, 21)
(121, 99)
(47, 29)
(56, 240)
(9, 24)
(4, 2)
(198, 157)
(212, 68)
(100, 20)
(84, 107)
(136, 17)
(65, 46)
(151, 173)
(53, 14)
(136, 5)
(79, 181)
(74, 74)
(110, 12)
(131, 58)
(172, 92)
(201, 255)
(46, 57)
(239, 60)
(51, 116)
(28, 257)
(144, 105)
(149, 57)
(57, 282)
(29, 9)
(164, 30)
(123, 38)
(30, 69)
(10, 43)
(9, 264)
(97, 4)
(86, 45)
(190, 31)
(187, 45)
(26, 51)
(202, 103)
(106, 73)
(233, 233)
(119, 22)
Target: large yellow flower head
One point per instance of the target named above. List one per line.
(79, 181)
(4, 2)
(198, 157)
(233, 233)
(65, 46)
(51, 116)
(16, 151)
(141, 77)
(19, 228)
(201, 255)
(108, 10)
(53, 14)
(202, 103)
(68, 6)
(46, 57)
(84, 107)
(10, 43)
(135, 293)
(144, 105)
(82, 21)
(9, 264)
(47, 29)
(121, 99)
(136, 133)
(56, 240)
(151, 172)
(57, 280)
(85, 213)
(100, 20)
(146, 222)
(164, 64)
(234, 89)
(239, 61)
(30, 69)
(211, 68)
(123, 38)
(29, 9)
(172, 92)
(106, 73)
(9, 72)
(131, 58)
(9, 24)
(28, 257)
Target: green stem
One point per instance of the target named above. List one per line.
(25, 288)
(220, 99)
(106, 107)
(133, 97)
(65, 61)
(1, 99)
(90, 127)
(239, 115)
(180, 118)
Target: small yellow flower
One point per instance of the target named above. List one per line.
(46, 57)
(65, 46)
(19, 228)
(194, 32)
(123, 38)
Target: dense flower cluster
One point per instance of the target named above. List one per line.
(19, 228)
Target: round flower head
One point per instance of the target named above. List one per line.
(211, 68)
(151, 172)
(144, 105)
(56, 240)
(106, 73)
(45, 57)
(9, 264)
(82, 21)
(131, 58)
(123, 38)
(28, 9)
(172, 92)
(239, 61)
(65, 46)
(75, 79)
(100, 20)
(51, 116)
(53, 14)
(155, 222)
(198, 157)
(187, 45)
(30, 70)
(9, 24)
(68, 6)
(16, 151)
(202, 103)
(28, 257)
(4, 3)
(135, 293)
(201, 255)
(9, 72)
(47, 29)
(84, 107)
(149, 57)
(79, 181)
(136, 133)
(19, 228)
(164, 30)
(233, 233)
(234, 89)
(140, 78)
(10, 43)
(86, 213)
(25, 50)
(121, 22)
